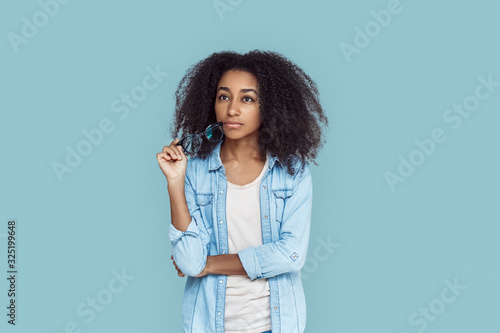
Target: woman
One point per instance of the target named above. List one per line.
(241, 207)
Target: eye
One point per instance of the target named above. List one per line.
(221, 96)
(250, 99)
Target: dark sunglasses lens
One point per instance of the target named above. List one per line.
(214, 132)
(192, 144)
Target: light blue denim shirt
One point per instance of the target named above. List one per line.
(285, 208)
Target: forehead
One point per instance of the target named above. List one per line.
(236, 78)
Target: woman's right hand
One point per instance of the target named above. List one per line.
(173, 162)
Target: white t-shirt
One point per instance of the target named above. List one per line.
(247, 302)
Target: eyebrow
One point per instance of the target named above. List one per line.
(242, 90)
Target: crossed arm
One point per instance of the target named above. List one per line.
(224, 264)
(189, 238)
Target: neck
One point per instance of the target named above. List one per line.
(240, 151)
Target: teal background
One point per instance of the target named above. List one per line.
(394, 249)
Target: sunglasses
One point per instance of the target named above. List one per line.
(192, 143)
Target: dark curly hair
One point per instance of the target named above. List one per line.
(289, 104)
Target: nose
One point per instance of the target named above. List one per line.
(233, 108)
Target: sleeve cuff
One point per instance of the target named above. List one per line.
(248, 258)
(176, 234)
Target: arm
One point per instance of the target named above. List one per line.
(225, 264)
(286, 255)
(274, 258)
(187, 233)
(289, 253)
(179, 210)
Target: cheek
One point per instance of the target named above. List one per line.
(218, 110)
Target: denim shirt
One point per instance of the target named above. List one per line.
(285, 208)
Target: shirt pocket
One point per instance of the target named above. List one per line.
(205, 203)
(280, 196)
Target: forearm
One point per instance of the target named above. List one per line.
(179, 210)
(187, 233)
(225, 264)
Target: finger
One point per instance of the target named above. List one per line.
(181, 151)
(169, 152)
(174, 152)
(160, 156)
(165, 149)
(176, 148)
(164, 156)
(179, 272)
(172, 257)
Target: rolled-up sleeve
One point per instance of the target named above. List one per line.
(189, 247)
(175, 234)
(289, 253)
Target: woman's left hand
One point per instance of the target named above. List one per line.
(179, 272)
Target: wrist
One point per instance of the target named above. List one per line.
(177, 183)
(208, 265)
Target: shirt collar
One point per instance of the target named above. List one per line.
(214, 161)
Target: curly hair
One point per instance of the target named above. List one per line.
(288, 101)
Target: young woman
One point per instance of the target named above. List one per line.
(241, 206)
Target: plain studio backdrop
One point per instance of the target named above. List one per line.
(405, 222)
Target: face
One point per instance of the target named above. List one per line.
(237, 101)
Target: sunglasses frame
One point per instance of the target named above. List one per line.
(204, 134)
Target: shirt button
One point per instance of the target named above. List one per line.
(223, 252)
(265, 216)
(220, 281)
(220, 222)
(275, 307)
(218, 313)
(264, 186)
(221, 191)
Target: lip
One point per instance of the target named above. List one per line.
(231, 124)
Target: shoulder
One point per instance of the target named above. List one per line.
(283, 179)
(196, 163)
(301, 180)
(301, 168)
